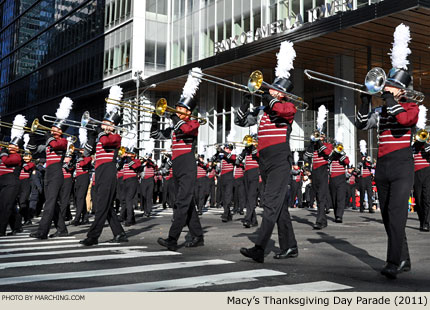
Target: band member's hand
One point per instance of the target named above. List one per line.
(365, 98)
(155, 118)
(388, 97)
(266, 98)
(4, 152)
(175, 119)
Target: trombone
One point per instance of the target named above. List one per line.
(36, 126)
(130, 105)
(6, 145)
(87, 120)
(26, 129)
(254, 87)
(374, 83)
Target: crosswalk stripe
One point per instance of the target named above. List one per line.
(29, 238)
(319, 286)
(67, 246)
(67, 260)
(82, 250)
(109, 272)
(191, 282)
(40, 242)
(14, 237)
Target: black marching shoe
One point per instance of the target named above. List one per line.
(170, 244)
(226, 219)
(338, 220)
(319, 226)
(27, 222)
(122, 237)
(89, 241)
(256, 253)
(246, 224)
(289, 253)
(390, 271)
(195, 242)
(405, 266)
(59, 234)
(425, 227)
(38, 236)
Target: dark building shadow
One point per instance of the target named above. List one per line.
(346, 247)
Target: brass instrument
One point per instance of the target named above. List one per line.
(130, 105)
(73, 149)
(422, 135)
(248, 140)
(316, 136)
(90, 123)
(122, 150)
(374, 83)
(36, 126)
(255, 83)
(338, 147)
(6, 145)
(26, 129)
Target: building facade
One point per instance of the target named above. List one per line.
(56, 48)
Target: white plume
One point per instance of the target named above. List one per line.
(296, 157)
(422, 117)
(83, 136)
(19, 121)
(26, 140)
(339, 134)
(63, 110)
(129, 140)
(285, 57)
(322, 114)
(400, 50)
(192, 84)
(363, 147)
(115, 92)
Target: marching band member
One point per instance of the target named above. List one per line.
(296, 183)
(421, 151)
(394, 121)
(184, 137)
(351, 177)
(10, 165)
(82, 181)
(131, 170)
(274, 159)
(168, 187)
(319, 151)
(365, 179)
(55, 147)
(227, 160)
(251, 175)
(338, 164)
(147, 185)
(199, 192)
(106, 144)
(25, 183)
(239, 190)
(211, 183)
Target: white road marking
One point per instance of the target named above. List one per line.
(320, 286)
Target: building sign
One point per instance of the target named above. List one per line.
(287, 24)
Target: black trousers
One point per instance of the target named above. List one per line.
(9, 188)
(184, 176)
(296, 191)
(219, 192)
(81, 188)
(350, 195)
(63, 204)
(105, 193)
(251, 192)
(146, 193)
(54, 180)
(24, 197)
(422, 195)
(337, 187)
(130, 190)
(199, 193)
(394, 187)
(169, 193)
(320, 187)
(211, 191)
(227, 181)
(93, 198)
(276, 174)
(365, 185)
(239, 194)
(119, 195)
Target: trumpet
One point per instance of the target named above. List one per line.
(26, 129)
(161, 108)
(422, 135)
(374, 83)
(248, 140)
(73, 149)
(316, 136)
(255, 83)
(338, 147)
(36, 126)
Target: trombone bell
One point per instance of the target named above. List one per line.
(375, 80)
(422, 135)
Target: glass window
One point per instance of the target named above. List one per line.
(162, 7)
(150, 51)
(256, 9)
(151, 6)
